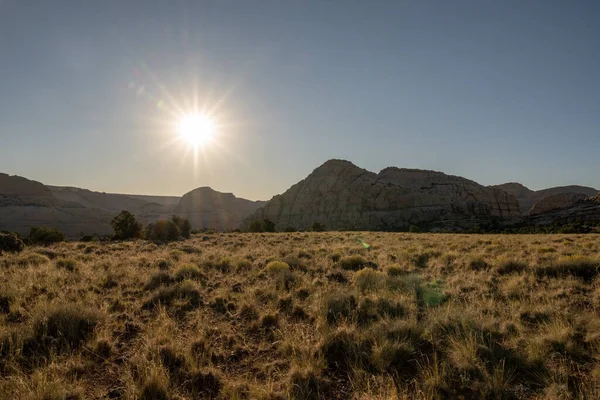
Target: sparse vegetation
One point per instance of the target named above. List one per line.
(304, 316)
(45, 236)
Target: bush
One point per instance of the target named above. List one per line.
(66, 263)
(162, 231)
(344, 351)
(184, 291)
(184, 226)
(580, 267)
(336, 256)
(45, 236)
(9, 242)
(368, 279)
(307, 385)
(269, 225)
(66, 327)
(157, 280)
(154, 388)
(395, 270)
(265, 225)
(33, 259)
(414, 229)
(370, 310)
(511, 266)
(317, 227)
(126, 226)
(204, 384)
(340, 306)
(353, 262)
(278, 268)
(189, 271)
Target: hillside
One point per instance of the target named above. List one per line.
(527, 198)
(341, 195)
(207, 208)
(25, 203)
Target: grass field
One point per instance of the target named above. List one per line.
(304, 316)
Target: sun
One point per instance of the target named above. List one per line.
(196, 129)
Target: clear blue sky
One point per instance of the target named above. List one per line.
(494, 91)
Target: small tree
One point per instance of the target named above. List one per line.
(269, 226)
(256, 226)
(184, 226)
(126, 226)
(45, 236)
(162, 231)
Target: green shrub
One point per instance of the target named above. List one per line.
(45, 236)
(162, 231)
(317, 227)
(125, 226)
(10, 243)
(265, 225)
(184, 225)
(275, 268)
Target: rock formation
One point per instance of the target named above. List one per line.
(527, 197)
(25, 203)
(341, 195)
(585, 211)
(207, 208)
(556, 202)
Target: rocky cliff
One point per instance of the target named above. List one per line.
(341, 195)
(25, 203)
(207, 208)
(556, 202)
(585, 211)
(527, 198)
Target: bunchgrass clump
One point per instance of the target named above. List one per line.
(189, 271)
(353, 262)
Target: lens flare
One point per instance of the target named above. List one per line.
(196, 129)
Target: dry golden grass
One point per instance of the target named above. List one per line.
(304, 316)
